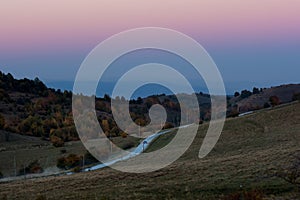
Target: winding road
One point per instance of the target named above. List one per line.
(138, 150)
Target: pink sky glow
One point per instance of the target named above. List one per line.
(30, 25)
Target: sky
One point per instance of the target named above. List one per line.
(253, 43)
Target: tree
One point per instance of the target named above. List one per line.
(4, 96)
(255, 90)
(236, 94)
(32, 125)
(69, 161)
(56, 141)
(33, 168)
(107, 98)
(139, 100)
(40, 87)
(140, 122)
(101, 106)
(168, 125)
(245, 94)
(105, 126)
(48, 124)
(234, 111)
(274, 100)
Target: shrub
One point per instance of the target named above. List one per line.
(76, 169)
(56, 141)
(69, 162)
(274, 100)
(124, 135)
(31, 126)
(168, 125)
(61, 163)
(89, 159)
(33, 168)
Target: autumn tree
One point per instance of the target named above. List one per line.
(31, 126)
(69, 161)
(168, 125)
(274, 100)
(57, 141)
(48, 124)
(105, 126)
(140, 122)
(33, 168)
(101, 106)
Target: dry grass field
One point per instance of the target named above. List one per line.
(22, 150)
(249, 148)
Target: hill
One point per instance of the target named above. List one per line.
(260, 98)
(249, 150)
(30, 108)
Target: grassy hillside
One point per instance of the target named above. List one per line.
(261, 98)
(22, 150)
(249, 148)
